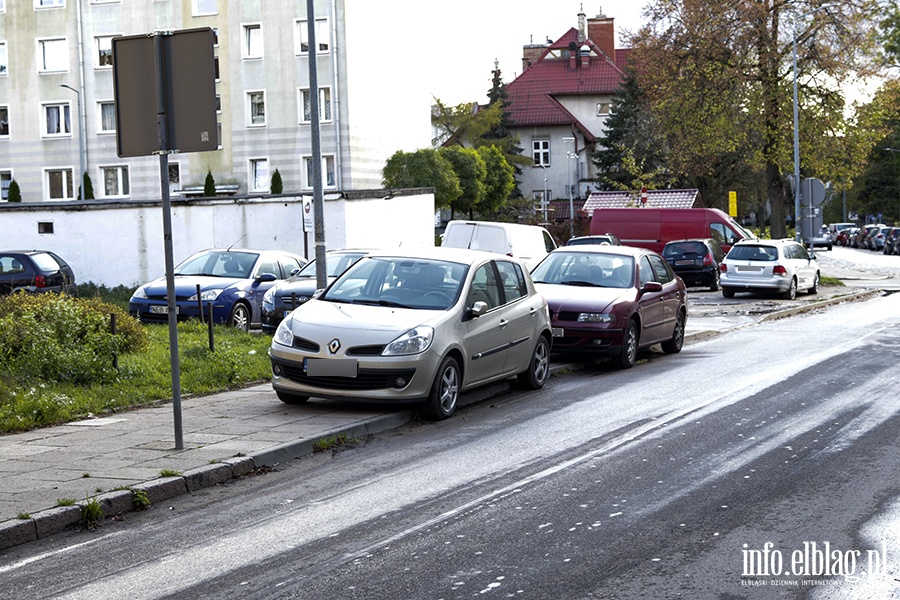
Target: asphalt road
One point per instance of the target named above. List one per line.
(665, 481)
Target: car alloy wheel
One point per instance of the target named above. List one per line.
(714, 286)
(815, 286)
(240, 317)
(628, 356)
(441, 402)
(791, 292)
(538, 369)
(674, 345)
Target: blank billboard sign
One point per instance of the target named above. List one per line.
(186, 62)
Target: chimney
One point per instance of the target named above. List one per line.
(582, 33)
(602, 32)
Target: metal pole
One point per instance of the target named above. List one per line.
(796, 146)
(569, 185)
(544, 201)
(318, 197)
(161, 119)
(80, 141)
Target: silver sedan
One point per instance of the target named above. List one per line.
(415, 326)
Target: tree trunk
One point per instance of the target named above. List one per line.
(776, 201)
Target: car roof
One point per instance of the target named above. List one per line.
(690, 240)
(762, 242)
(460, 255)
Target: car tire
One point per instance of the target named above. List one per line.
(240, 317)
(441, 401)
(628, 354)
(288, 398)
(538, 369)
(791, 293)
(814, 289)
(727, 293)
(674, 345)
(714, 285)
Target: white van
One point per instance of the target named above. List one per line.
(528, 243)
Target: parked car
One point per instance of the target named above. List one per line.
(861, 240)
(696, 261)
(233, 281)
(875, 239)
(612, 300)
(834, 228)
(781, 266)
(607, 239)
(34, 271)
(844, 235)
(823, 239)
(892, 241)
(529, 243)
(417, 326)
(284, 297)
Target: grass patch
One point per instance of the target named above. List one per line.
(170, 473)
(139, 499)
(332, 441)
(91, 513)
(23, 516)
(824, 280)
(144, 377)
(65, 501)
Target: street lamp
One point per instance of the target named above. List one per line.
(570, 155)
(544, 201)
(797, 219)
(80, 141)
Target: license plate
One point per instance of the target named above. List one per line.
(330, 367)
(161, 310)
(684, 262)
(741, 269)
(557, 331)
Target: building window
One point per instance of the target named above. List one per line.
(327, 171)
(216, 67)
(115, 181)
(218, 104)
(203, 7)
(5, 180)
(49, 3)
(53, 55)
(540, 153)
(174, 177)
(2, 6)
(259, 175)
(107, 117)
(4, 121)
(538, 195)
(59, 184)
(602, 109)
(103, 52)
(253, 41)
(301, 36)
(4, 59)
(45, 227)
(57, 120)
(256, 108)
(324, 105)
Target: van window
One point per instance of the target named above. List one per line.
(458, 235)
(492, 239)
(549, 244)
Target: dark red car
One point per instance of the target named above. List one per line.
(612, 300)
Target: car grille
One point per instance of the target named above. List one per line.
(366, 379)
(566, 315)
(305, 345)
(365, 351)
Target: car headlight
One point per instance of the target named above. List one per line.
(414, 341)
(283, 335)
(269, 296)
(139, 294)
(596, 318)
(206, 296)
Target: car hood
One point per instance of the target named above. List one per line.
(581, 298)
(301, 287)
(357, 324)
(186, 285)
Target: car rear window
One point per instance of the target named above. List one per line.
(680, 248)
(753, 252)
(45, 262)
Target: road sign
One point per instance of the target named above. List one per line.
(643, 196)
(732, 204)
(812, 189)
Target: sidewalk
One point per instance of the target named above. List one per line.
(225, 436)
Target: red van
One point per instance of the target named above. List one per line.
(653, 227)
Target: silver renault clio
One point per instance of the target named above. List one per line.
(415, 326)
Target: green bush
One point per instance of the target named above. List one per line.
(56, 338)
(15, 194)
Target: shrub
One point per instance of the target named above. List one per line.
(277, 184)
(15, 194)
(50, 337)
(209, 185)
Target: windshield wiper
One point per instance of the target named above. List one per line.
(580, 283)
(390, 303)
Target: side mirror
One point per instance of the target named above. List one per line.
(317, 293)
(266, 277)
(651, 286)
(477, 309)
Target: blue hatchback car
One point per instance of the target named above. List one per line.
(232, 281)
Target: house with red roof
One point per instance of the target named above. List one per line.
(559, 106)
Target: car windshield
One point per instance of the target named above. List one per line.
(589, 269)
(400, 282)
(753, 252)
(335, 264)
(219, 263)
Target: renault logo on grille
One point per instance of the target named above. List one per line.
(334, 345)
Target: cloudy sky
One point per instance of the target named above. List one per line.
(463, 38)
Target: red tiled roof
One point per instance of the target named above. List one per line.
(532, 93)
(559, 209)
(655, 199)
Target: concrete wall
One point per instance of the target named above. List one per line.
(113, 243)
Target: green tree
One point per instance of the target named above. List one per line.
(471, 172)
(15, 194)
(276, 184)
(499, 181)
(88, 187)
(501, 135)
(209, 185)
(463, 124)
(423, 168)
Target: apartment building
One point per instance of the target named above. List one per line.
(57, 102)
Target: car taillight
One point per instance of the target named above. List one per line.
(779, 270)
(707, 260)
(723, 268)
(40, 282)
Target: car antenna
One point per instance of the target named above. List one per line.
(235, 242)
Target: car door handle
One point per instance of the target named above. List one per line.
(503, 323)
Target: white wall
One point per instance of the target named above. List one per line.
(122, 243)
